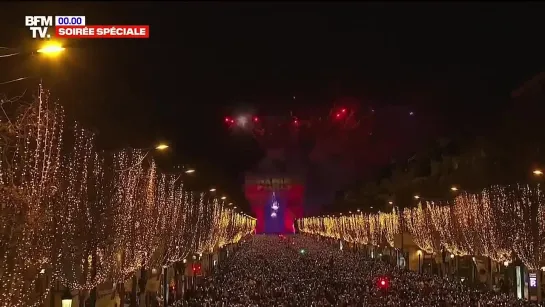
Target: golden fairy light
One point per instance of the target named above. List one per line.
(375, 231)
(418, 222)
(83, 217)
(528, 204)
(487, 210)
(468, 222)
(449, 232)
(30, 183)
(389, 223)
(500, 222)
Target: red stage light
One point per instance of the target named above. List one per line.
(227, 120)
(343, 110)
(295, 122)
(256, 119)
(338, 115)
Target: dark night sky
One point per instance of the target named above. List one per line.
(204, 58)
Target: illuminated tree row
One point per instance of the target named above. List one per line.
(500, 222)
(373, 229)
(84, 217)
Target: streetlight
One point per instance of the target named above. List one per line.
(224, 197)
(66, 299)
(390, 202)
(454, 188)
(451, 264)
(51, 49)
(162, 146)
(190, 171)
(419, 252)
(158, 147)
(537, 172)
(213, 190)
(416, 197)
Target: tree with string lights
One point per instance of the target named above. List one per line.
(418, 222)
(31, 137)
(84, 217)
(128, 180)
(85, 255)
(389, 223)
(528, 206)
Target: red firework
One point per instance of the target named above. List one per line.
(348, 129)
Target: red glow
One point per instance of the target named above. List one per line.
(343, 110)
(295, 122)
(292, 195)
(383, 283)
(197, 269)
(256, 119)
(338, 115)
(227, 120)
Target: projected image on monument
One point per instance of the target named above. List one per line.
(274, 217)
(275, 201)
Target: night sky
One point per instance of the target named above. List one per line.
(204, 60)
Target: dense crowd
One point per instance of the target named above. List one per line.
(301, 271)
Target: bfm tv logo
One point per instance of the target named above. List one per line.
(39, 25)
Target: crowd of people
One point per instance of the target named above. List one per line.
(302, 271)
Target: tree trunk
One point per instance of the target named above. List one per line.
(93, 295)
(490, 277)
(133, 290)
(142, 286)
(81, 293)
(176, 282)
(121, 291)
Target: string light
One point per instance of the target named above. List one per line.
(449, 232)
(85, 217)
(419, 224)
(528, 228)
(500, 222)
(30, 188)
(389, 223)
